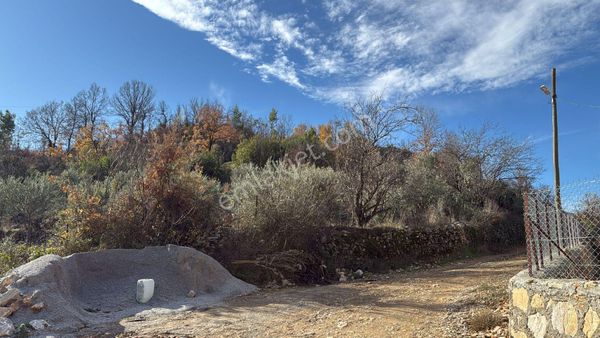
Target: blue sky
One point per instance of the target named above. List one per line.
(471, 61)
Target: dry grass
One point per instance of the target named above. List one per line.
(484, 320)
(492, 295)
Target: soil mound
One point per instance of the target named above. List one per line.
(95, 288)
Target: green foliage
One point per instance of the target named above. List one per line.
(212, 166)
(423, 198)
(31, 203)
(258, 150)
(291, 197)
(14, 254)
(273, 120)
(7, 129)
(286, 202)
(307, 148)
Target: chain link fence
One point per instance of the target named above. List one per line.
(563, 231)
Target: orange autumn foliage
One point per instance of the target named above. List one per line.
(325, 133)
(212, 126)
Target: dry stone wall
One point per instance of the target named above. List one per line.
(553, 307)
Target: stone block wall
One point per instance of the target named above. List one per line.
(553, 307)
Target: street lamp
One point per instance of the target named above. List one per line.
(552, 94)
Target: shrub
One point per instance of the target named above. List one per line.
(14, 254)
(31, 204)
(165, 204)
(484, 320)
(259, 150)
(423, 198)
(211, 165)
(285, 202)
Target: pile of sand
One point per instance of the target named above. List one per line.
(90, 289)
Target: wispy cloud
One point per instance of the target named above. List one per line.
(346, 49)
(222, 94)
(546, 138)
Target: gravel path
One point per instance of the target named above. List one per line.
(435, 301)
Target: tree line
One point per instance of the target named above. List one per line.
(122, 170)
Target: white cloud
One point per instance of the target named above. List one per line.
(285, 30)
(282, 69)
(336, 9)
(354, 47)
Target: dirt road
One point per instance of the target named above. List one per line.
(427, 302)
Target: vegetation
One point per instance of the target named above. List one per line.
(239, 187)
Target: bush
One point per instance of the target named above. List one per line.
(284, 202)
(211, 165)
(259, 150)
(484, 320)
(31, 204)
(423, 198)
(165, 204)
(14, 254)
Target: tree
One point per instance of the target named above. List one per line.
(258, 150)
(48, 123)
(372, 167)
(476, 163)
(134, 103)
(245, 124)
(163, 113)
(236, 118)
(212, 126)
(325, 133)
(427, 131)
(72, 122)
(7, 129)
(273, 120)
(300, 130)
(91, 105)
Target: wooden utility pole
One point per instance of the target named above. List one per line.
(557, 200)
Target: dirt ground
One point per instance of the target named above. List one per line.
(428, 301)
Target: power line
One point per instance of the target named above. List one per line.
(584, 105)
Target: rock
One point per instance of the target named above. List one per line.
(5, 312)
(16, 305)
(342, 324)
(564, 318)
(5, 282)
(517, 334)
(591, 321)
(520, 299)
(7, 327)
(39, 324)
(9, 297)
(537, 301)
(191, 294)
(343, 277)
(589, 285)
(27, 301)
(38, 307)
(537, 324)
(358, 273)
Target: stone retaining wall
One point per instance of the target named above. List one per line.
(553, 307)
